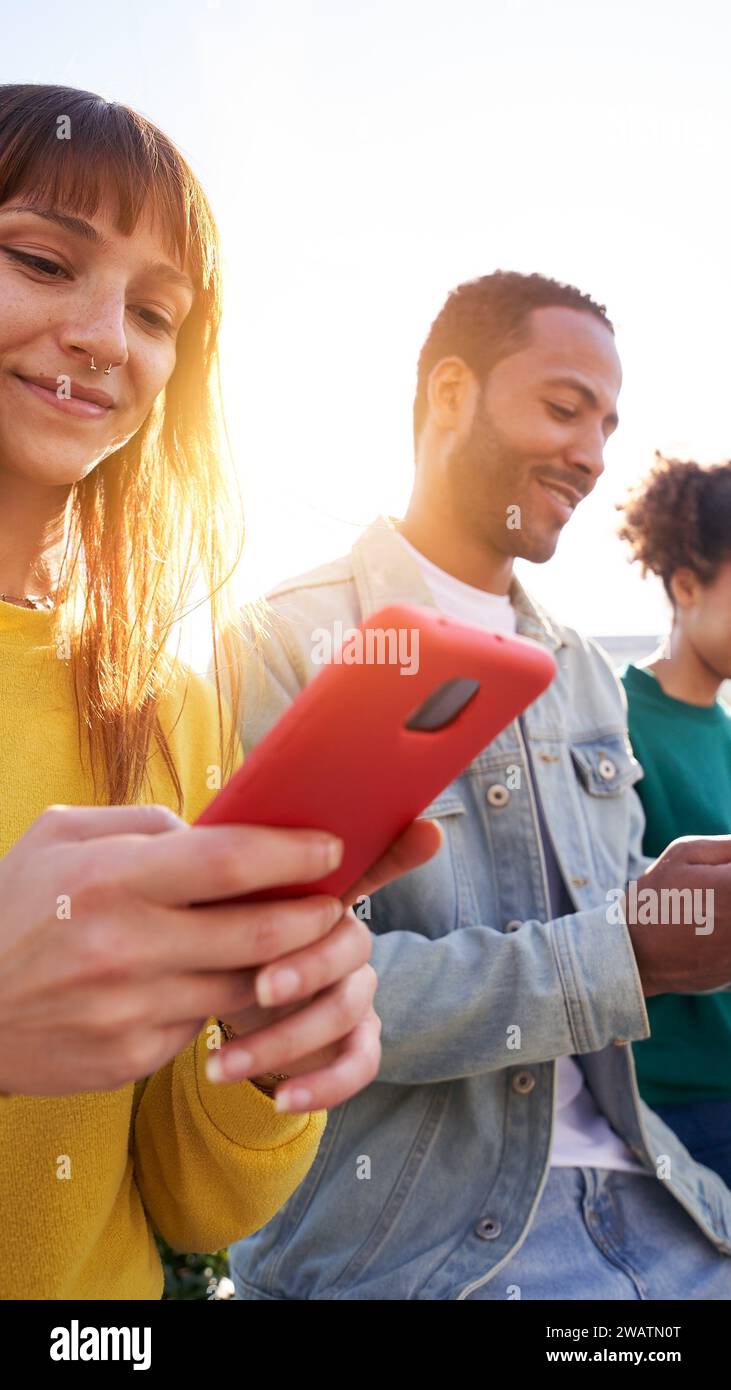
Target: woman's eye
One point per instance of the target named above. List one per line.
(157, 321)
(38, 263)
(561, 411)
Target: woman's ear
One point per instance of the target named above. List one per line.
(685, 587)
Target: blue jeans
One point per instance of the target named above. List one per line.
(604, 1234)
(704, 1126)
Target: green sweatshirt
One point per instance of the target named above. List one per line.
(685, 751)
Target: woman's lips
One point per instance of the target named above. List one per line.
(70, 405)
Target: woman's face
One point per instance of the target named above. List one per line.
(707, 620)
(70, 290)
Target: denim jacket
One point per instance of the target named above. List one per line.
(425, 1183)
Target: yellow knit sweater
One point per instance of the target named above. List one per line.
(84, 1178)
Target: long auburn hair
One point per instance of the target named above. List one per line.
(165, 508)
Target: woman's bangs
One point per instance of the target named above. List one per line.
(129, 175)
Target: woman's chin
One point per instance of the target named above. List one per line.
(35, 466)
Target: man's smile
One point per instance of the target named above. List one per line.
(563, 498)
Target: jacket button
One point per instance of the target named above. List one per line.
(488, 1228)
(497, 794)
(513, 925)
(523, 1082)
(607, 768)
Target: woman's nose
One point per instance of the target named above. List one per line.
(99, 333)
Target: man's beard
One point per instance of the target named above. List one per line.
(482, 483)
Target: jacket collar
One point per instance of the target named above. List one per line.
(385, 572)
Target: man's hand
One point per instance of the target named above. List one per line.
(671, 957)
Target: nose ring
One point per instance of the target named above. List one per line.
(93, 368)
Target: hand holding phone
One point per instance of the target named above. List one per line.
(332, 1048)
(361, 751)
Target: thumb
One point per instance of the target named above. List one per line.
(704, 849)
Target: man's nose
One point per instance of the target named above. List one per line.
(587, 454)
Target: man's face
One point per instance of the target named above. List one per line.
(534, 446)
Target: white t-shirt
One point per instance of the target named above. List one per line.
(582, 1136)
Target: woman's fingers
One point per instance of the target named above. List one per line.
(187, 1001)
(325, 1019)
(308, 971)
(418, 843)
(218, 937)
(61, 822)
(202, 863)
(355, 1066)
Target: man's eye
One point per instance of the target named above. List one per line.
(561, 412)
(38, 263)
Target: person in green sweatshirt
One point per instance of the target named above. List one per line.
(678, 524)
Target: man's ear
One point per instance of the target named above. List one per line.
(451, 392)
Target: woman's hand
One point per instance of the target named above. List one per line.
(106, 971)
(330, 1041)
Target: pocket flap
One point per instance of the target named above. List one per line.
(448, 803)
(605, 765)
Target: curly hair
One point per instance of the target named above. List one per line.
(486, 319)
(679, 516)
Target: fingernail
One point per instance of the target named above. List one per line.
(334, 849)
(298, 1096)
(281, 984)
(238, 1064)
(214, 1070)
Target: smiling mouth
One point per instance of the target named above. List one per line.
(78, 406)
(565, 499)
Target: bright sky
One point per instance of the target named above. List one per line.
(364, 158)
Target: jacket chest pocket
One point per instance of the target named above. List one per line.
(605, 773)
(437, 897)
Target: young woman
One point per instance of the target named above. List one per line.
(678, 524)
(114, 991)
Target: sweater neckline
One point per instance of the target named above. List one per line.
(19, 626)
(646, 683)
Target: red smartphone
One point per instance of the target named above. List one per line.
(402, 706)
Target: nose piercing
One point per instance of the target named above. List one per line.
(94, 368)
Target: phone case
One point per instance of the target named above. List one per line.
(341, 759)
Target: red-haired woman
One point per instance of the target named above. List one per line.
(114, 498)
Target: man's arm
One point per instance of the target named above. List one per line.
(479, 1000)
(570, 986)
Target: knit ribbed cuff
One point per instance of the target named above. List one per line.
(243, 1113)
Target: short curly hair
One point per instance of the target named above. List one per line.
(679, 516)
(486, 319)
